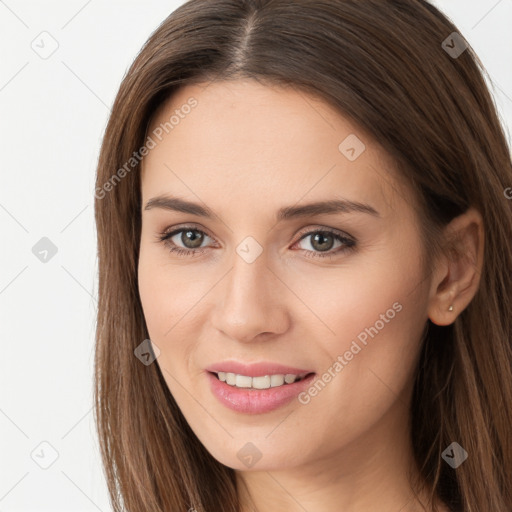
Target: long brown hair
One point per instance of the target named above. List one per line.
(394, 68)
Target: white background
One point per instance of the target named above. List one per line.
(53, 114)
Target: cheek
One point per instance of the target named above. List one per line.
(348, 300)
(165, 296)
(373, 316)
(170, 300)
(154, 299)
(370, 360)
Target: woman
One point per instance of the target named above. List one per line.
(304, 240)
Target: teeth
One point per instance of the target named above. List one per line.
(241, 381)
(263, 382)
(276, 380)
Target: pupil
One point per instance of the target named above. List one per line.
(188, 237)
(321, 246)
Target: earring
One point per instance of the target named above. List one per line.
(450, 308)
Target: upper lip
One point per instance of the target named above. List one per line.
(256, 369)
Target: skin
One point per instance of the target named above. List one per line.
(245, 151)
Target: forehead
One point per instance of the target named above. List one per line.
(264, 145)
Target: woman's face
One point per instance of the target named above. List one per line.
(279, 289)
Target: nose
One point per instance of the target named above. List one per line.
(250, 302)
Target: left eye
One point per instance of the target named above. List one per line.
(322, 241)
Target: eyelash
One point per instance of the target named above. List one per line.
(350, 243)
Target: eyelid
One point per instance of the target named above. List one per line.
(169, 232)
(317, 228)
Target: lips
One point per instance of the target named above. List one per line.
(257, 401)
(256, 369)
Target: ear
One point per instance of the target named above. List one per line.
(457, 275)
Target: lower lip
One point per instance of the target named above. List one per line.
(256, 401)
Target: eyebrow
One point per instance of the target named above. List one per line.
(329, 207)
